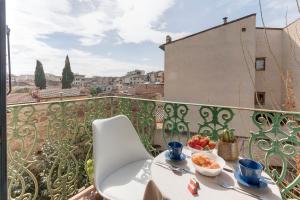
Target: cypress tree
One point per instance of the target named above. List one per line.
(39, 76)
(67, 75)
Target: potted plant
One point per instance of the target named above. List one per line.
(228, 145)
(89, 192)
(90, 170)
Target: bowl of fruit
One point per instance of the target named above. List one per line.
(200, 143)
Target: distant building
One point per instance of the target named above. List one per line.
(108, 88)
(55, 94)
(155, 77)
(135, 80)
(100, 80)
(79, 80)
(151, 77)
(118, 87)
(136, 72)
(118, 80)
(160, 77)
(13, 79)
(134, 77)
(25, 80)
(146, 89)
(89, 82)
(53, 80)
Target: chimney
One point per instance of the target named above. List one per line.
(225, 20)
(168, 39)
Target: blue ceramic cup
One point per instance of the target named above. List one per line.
(250, 171)
(175, 149)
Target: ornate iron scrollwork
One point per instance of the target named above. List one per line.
(175, 122)
(146, 124)
(215, 119)
(22, 141)
(278, 136)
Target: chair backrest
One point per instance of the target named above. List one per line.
(115, 144)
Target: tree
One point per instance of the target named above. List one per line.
(290, 99)
(95, 91)
(67, 75)
(39, 76)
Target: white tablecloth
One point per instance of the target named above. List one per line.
(174, 186)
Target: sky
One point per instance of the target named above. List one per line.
(111, 37)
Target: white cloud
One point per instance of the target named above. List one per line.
(35, 19)
(133, 19)
(135, 23)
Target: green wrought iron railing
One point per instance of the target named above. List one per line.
(49, 143)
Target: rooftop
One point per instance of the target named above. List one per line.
(18, 98)
(54, 93)
(221, 25)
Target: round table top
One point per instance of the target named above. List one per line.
(174, 186)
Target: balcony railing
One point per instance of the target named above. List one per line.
(49, 143)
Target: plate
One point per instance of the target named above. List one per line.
(168, 158)
(262, 182)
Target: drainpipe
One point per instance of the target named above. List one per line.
(3, 134)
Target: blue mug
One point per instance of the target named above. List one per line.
(175, 150)
(250, 171)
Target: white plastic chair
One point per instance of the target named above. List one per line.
(121, 163)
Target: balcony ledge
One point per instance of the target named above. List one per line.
(89, 193)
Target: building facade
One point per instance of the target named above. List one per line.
(134, 77)
(155, 77)
(79, 80)
(144, 89)
(53, 80)
(234, 64)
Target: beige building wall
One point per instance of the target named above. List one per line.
(291, 57)
(200, 68)
(269, 80)
(283, 57)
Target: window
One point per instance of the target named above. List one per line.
(259, 98)
(244, 29)
(260, 64)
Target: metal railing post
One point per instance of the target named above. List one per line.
(111, 106)
(3, 134)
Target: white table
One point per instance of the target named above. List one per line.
(174, 186)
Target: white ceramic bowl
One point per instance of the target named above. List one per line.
(193, 150)
(206, 171)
